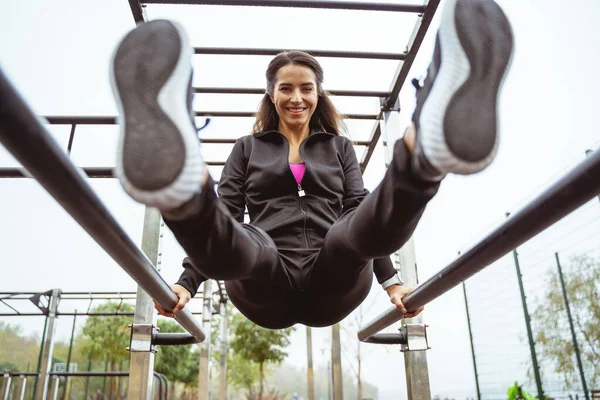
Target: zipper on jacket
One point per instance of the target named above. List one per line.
(301, 194)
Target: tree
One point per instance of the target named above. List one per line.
(554, 343)
(259, 345)
(242, 374)
(107, 337)
(177, 363)
(352, 348)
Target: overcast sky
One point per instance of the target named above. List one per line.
(57, 54)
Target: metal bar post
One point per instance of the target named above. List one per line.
(22, 387)
(471, 341)
(42, 383)
(5, 392)
(336, 363)
(53, 392)
(310, 372)
(204, 370)
(572, 327)
(39, 363)
(67, 381)
(224, 350)
(415, 362)
(142, 362)
(534, 360)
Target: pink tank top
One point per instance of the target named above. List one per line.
(298, 171)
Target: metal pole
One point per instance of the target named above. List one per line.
(39, 364)
(22, 387)
(536, 367)
(5, 392)
(336, 363)
(471, 340)
(67, 381)
(415, 362)
(224, 350)
(570, 317)
(142, 362)
(42, 384)
(204, 370)
(24, 136)
(87, 379)
(53, 392)
(309, 354)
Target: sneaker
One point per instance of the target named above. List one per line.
(159, 162)
(456, 117)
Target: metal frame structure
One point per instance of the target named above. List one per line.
(42, 159)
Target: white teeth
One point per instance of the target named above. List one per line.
(296, 109)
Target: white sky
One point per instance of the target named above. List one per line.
(57, 54)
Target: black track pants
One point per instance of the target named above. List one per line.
(341, 274)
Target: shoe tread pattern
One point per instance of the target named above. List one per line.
(143, 63)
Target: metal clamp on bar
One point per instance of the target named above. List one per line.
(416, 337)
(141, 338)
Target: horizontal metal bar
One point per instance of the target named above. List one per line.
(24, 136)
(247, 51)
(258, 91)
(577, 187)
(252, 114)
(13, 374)
(332, 4)
(91, 374)
(79, 314)
(173, 339)
(81, 120)
(388, 338)
(404, 68)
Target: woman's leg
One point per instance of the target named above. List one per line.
(455, 131)
(222, 248)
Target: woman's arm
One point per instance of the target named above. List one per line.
(232, 183)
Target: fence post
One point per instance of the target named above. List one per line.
(536, 367)
(471, 340)
(575, 344)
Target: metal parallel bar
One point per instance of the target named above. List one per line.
(173, 339)
(108, 120)
(574, 189)
(137, 11)
(13, 374)
(388, 338)
(22, 134)
(70, 314)
(252, 114)
(404, 68)
(332, 5)
(259, 91)
(91, 374)
(246, 51)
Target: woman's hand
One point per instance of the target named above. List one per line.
(397, 294)
(184, 297)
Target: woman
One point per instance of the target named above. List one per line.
(305, 257)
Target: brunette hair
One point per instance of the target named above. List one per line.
(325, 118)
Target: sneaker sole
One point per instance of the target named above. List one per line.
(459, 121)
(158, 161)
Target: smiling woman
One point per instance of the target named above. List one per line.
(315, 236)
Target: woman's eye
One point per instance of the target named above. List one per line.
(308, 89)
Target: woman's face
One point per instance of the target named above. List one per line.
(295, 95)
